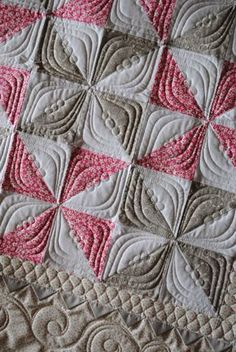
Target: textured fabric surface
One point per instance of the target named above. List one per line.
(117, 175)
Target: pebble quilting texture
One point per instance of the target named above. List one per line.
(118, 175)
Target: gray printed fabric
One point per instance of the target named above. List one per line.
(117, 175)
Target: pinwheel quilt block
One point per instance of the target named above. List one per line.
(118, 171)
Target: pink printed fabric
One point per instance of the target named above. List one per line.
(29, 241)
(160, 14)
(118, 161)
(22, 176)
(179, 157)
(227, 138)
(85, 169)
(225, 98)
(95, 11)
(170, 89)
(14, 18)
(13, 83)
(92, 235)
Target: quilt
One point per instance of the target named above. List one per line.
(117, 175)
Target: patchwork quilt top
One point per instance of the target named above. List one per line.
(117, 175)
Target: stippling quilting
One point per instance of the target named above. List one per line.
(118, 166)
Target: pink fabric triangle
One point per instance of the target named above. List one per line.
(87, 169)
(179, 157)
(29, 241)
(225, 97)
(14, 18)
(170, 89)
(227, 138)
(13, 83)
(95, 11)
(22, 176)
(160, 14)
(93, 236)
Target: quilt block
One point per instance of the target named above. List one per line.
(117, 175)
